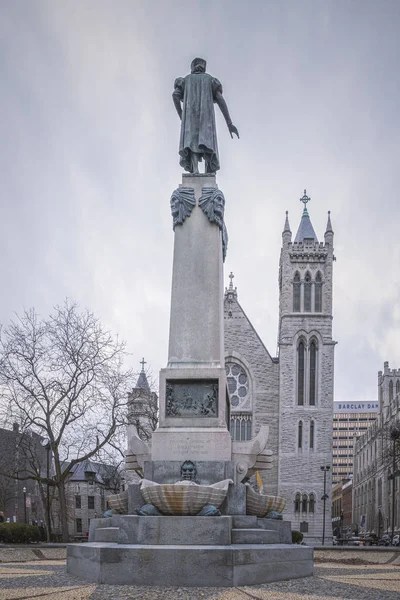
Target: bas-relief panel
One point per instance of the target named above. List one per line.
(191, 398)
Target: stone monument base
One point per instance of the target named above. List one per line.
(188, 551)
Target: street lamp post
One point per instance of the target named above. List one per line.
(395, 436)
(325, 469)
(24, 492)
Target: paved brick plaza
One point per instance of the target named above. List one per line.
(48, 580)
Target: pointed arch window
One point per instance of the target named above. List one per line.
(297, 503)
(312, 434)
(397, 387)
(300, 434)
(304, 503)
(307, 292)
(311, 503)
(313, 372)
(390, 390)
(296, 292)
(300, 372)
(318, 293)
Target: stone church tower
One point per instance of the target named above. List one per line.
(306, 360)
(292, 393)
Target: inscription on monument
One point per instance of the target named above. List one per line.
(191, 398)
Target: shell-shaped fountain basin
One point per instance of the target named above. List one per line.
(260, 505)
(119, 502)
(184, 498)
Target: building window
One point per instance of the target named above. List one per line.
(300, 435)
(311, 503)
(307, 293)
(397, 387)
(78, 503)
(90, 502)
(297, 503)
(78, 524)
(238, 383)
(390, 390)
(313, 372)
(241, 426)
(312, 428)
(304, 503)
(318, 293)
(300, 373)
(296, 293)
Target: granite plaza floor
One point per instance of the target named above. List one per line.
(48, 580)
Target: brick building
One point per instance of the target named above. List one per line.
(21, 454)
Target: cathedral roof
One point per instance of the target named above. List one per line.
(305, 230)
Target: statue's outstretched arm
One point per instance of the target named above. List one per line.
(220, 100)
(176, 97)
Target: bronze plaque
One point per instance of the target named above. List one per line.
(191, 398)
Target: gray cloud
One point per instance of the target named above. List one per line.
(89, 159)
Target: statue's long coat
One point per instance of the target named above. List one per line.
(198, 131)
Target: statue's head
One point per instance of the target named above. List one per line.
(188, 471)
(198, 65)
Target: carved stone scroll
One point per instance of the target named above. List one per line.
(182, 203)
(212, 203)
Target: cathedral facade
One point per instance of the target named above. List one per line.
(292, 393)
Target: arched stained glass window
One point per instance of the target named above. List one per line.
(297, 503)
(304, 503)
(300, 435)
(300, 373)
(311, 503)
(313, 372)
(318, 293)
(312, 431)
(296, 292)
(390, 390)
(307, 292)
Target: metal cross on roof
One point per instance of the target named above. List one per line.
(143, 362)
(305, 199)
(231, 276)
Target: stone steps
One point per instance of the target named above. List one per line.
(254, 536)
(219, 566)
(106, 534)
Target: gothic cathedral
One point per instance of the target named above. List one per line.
(293, 392)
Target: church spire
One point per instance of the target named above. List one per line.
(286, 233)
(142, 383)
(306, 232)
(329, 231)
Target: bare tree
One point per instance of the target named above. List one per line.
(63, 378)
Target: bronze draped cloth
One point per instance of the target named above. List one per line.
(198, 131)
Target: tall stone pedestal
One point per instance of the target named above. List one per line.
(194, 405)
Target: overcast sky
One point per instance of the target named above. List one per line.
(88, 153)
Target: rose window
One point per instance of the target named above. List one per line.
(238, 383)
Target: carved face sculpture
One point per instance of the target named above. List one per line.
(188, 471)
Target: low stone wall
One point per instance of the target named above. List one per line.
(17, 553)
(374, 555)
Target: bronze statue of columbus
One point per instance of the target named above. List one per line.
(198, 92)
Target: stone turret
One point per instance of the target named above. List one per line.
(306, 357)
